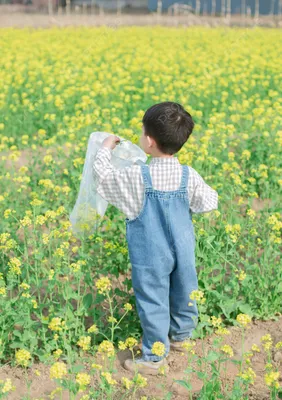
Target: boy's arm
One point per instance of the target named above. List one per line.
(202, 197)
(115, 185)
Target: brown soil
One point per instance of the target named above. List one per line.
(41, 386)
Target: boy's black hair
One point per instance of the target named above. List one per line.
(169, 124)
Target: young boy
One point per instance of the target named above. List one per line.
(158, 199)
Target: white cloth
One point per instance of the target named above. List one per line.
(124, 188)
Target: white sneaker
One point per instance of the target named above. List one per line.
(178, 346)
(146, 367)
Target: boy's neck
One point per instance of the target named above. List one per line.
(162, 155)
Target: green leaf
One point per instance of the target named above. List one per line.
(187, 386)
(88, 300)
(246, 309)
(201, 375)
(212, 356)
(16, 345)
(279, 287)
(77, 368)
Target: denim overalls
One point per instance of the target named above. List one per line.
(161, 245)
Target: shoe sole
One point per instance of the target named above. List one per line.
(146, 371)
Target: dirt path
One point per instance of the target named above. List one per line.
(14, 16)
(41, 386)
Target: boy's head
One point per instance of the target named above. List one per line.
(166, 127)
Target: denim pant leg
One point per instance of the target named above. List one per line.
(151, 289)
(183, 280)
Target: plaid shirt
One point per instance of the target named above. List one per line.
(124, 188)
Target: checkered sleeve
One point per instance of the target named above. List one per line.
(202, 197)
(117, 186)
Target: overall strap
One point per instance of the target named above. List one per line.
(184, 179)
(146, 176)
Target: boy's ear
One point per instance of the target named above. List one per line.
(151, 142)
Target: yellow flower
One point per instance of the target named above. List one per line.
(24, 285)
(107, 348)
(112, 320)
(126, 383)
(278, 345)
(243, 319)
(26, 221)
(255, 348)
(140, 381)
(121, 345)
(96, 366)
(84, 342)
(83, 379)
(158, 349)
(246, 155)
(189, 345)
(103, 285)
(197, 295)
(57, 353)
(271, 379)
(248, 375)
(22, 357)
(251, 213)
(36, 202)
(7, 387)
(266, 341)
(51, 274)
(93, 329)
(216, 321)
(241, 276)
(56, 324)
(227, 350)
(127, 307)
(130, 342)
(47, 159)
(109, 378)
(58, 370)
(8, 212)
(15, 264)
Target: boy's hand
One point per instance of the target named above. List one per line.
(111, 142)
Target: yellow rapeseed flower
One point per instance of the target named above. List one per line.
(83, 379)
(22, 357)
(127, 307)
(108, 378)
(255, 348)
(103, 285)
(58, 370)
(158, 349)
(227, 350)
(84, 342)
(56, 324)
(140, 381)
(106, 348)
(271, 379)
(243, 319)
(126, 383)
(248, 375)
(93, 329)
(266, 342)
(8, 386)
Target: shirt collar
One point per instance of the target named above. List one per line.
(164, 160)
